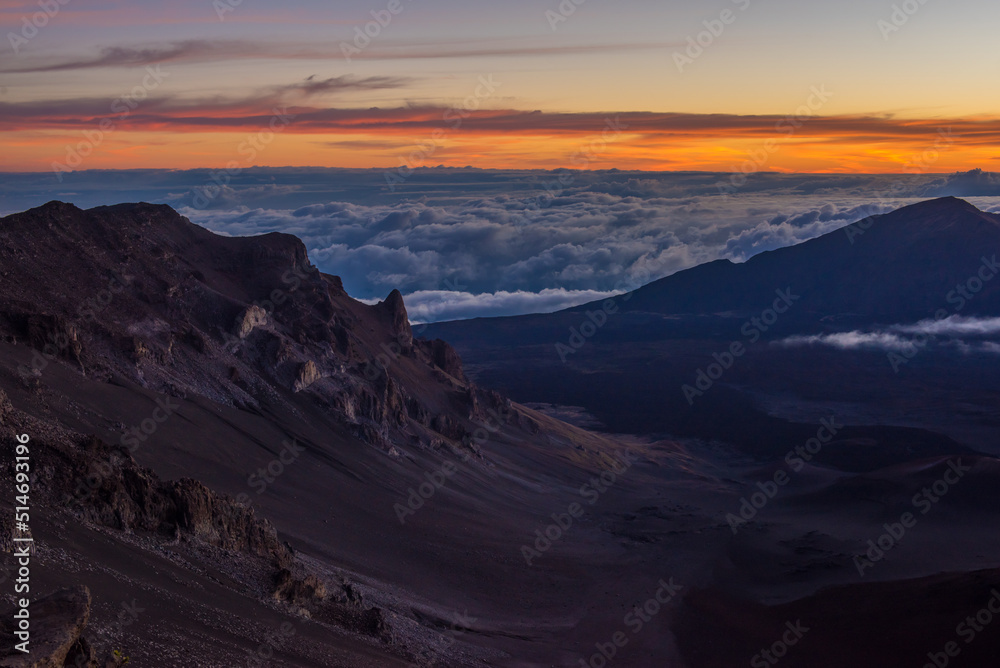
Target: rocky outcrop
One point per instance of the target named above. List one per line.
(343, 605)
(242, 321)
(445, 357)
(299, 592)
(399, 321)
(57, 625)
(219, 521)
(104, 485)
(250, 319)
(308, 374)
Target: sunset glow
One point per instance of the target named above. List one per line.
(104, 84)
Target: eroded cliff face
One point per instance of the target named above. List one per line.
(138, 297)
(146, 296)
(88, 482)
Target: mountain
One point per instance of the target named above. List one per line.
(895, 267)
(231, 461)
(217, 410)
(639, 363)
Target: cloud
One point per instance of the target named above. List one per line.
(850, 341)
(520, 242)
(438, 305)
(974, 183)
(652, 129)
(196, 51)
(314, 86)
(253, 110)
(957, 331)
(953, 326)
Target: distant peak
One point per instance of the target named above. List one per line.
(943, 204)
(56, 205)
(394, 300)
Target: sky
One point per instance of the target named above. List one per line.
(856, 86)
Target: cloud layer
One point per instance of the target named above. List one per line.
(463, 243)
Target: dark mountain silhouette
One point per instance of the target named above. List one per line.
(896, 267)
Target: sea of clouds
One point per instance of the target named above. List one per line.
(463, 243)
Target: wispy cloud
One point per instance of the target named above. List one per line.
(850, 341)
(194, 51)
(191, 50)
(953, 326)
(955, 330)
(228, 113)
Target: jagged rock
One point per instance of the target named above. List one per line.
(251, 318)
(445, 425)
(399, 321)
(394, 402)
(140, 350)
(194, 338)
(417, 411)
(373, 623)
(82, 655)
(308, 374)
(285, 311)
(488, 404)
(219, 521)
(105, 485)
(372, 436)
(57, 623)
(53, 335)
(284, 352)
(176, 319)
(343, 339)
(296, 591)
(447, 359)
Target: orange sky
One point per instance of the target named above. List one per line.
(109, 84)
